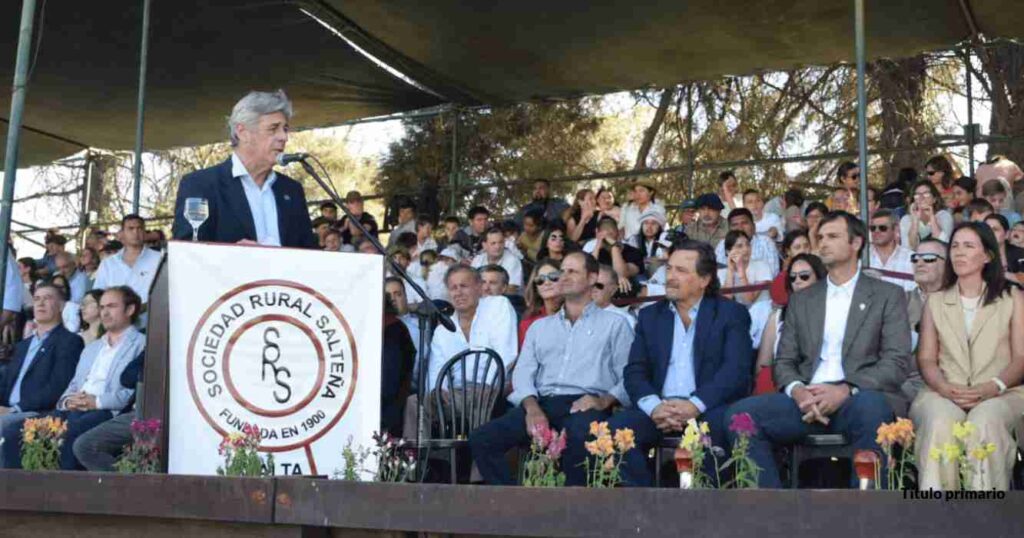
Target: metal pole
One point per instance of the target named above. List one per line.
(862, 121)
(454, 177)
(689, 139)
(970, 111)
(28, 12)
(140, 113)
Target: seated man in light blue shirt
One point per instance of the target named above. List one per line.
(691, 358)
(43, 363)
(569, 374)
(95, 394)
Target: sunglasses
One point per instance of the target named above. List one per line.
(802, 275)
(552, 277)
(879, 228)
(926, 258)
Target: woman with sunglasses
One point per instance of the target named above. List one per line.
(555, 244)
(741, 271)
(542, 297)
(795, 242)
(803, 271)
(939, 170)
(926, 216)
(971, 357)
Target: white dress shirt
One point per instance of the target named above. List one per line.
(96, 381)
(138, 276)
(837, 310)
(512, 265)
(838, 300)
(494, 326)
(761, 248)
(899, 262)
(767, 222)
(262, 203)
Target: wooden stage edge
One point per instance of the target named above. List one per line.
(157, 506)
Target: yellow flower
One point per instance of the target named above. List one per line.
(979, 453)
(951, 451)
(990, 448)
(704, 428)
(691, 436)
(599, 429)
(935, 454)
(962, 430)
(624, 440)
(605, 445)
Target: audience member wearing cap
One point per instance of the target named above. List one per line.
(349, 232)
(651, 239)
(711, 227)
(643, 199)
(687, 214)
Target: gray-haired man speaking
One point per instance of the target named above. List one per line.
(248, 202)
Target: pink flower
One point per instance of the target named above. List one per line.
(556, 445)
(743, 424)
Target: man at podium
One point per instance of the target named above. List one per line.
(243, 200)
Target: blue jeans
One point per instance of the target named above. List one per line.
(490, 442)
(634, 470)
(780, 422)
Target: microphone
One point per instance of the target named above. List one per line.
(284, 159)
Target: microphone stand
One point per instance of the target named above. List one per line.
(428, 315)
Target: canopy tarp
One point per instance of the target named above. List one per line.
(502, 52)
(203, 56)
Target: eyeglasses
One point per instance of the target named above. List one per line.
(552, 277)
(879, 228)
(927, 257)
(802, 275)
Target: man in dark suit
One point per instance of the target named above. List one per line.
(43, 364)
(249, 203)
(842, 355)
(691, 357)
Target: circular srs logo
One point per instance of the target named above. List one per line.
(275, 354)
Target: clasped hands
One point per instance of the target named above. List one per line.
(672, 415)
(968, 398)
(80, 401)
(817, 402)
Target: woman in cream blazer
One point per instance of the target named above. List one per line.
(971, 357)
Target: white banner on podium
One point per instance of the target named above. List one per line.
(288, 340)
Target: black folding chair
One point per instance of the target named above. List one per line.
(466, 391)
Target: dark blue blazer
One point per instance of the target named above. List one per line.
(48, 375)
(722, 352)
(230, 218)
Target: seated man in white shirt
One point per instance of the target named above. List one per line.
(841, 359)
(480, 322)
(886, 252)
(494, 252)
(761, 247)
(134, 265)
(95, 394)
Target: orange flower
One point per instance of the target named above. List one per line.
(599, 429)
(624, 440)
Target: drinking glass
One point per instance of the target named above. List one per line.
(197, 210)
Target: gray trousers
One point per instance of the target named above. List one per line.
(98, 448)
(11, 418)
